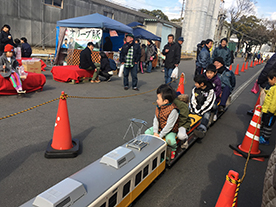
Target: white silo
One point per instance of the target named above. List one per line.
(198, 22)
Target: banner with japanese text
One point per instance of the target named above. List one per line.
(77, 38)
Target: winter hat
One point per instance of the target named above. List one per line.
(212, 68)
(181, 39)
(6, 25)
(130, 35)
(8, 48)
(219, 59)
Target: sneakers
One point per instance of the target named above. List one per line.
(200, 132)
(95, 81)
(126, 87)
(136, 89)
(263, 141)
(221, 109)
(21, 91)
(109, 79)
(215, 117)
(172, 155)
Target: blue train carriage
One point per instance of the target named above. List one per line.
(116, 179)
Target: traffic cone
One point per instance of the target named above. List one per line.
(181, 88)
(237, 70)
(227, 194)
(230, 68)
(255, 63)
(262, 61)
(259, 61)
(246, 66)
(251, 65)
(62, 145)
(242, 69)
(253, 132)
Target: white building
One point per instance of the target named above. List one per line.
(199, 24)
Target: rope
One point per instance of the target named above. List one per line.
(239, 182)
(65, 96)
(28, 109)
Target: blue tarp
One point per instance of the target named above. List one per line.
(135, 24)
(141, 33)
(95, 21)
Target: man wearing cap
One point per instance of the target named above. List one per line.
(223, 51)
(86, 61)
(129, 57)
(228, 81)
(172, 53)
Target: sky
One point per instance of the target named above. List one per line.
(172, 8)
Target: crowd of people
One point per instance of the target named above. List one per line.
(10, 51)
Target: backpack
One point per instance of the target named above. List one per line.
(112, 63)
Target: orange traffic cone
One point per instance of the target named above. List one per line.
(255, 63)
(253, 133)
(242, 69)
(62, 145)
(230, 68)
(246, 66)
(237, 70)
(251, 65)
(181, 88)
(227, 194)
(262, 61)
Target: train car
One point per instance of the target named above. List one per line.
(116, 179)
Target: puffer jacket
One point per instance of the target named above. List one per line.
(10, 66)
(223, 52)
(203, 59)
(269, 190)
(151, 51)
(270, 65)
(217, 86)
(270, 100)
(227, 78)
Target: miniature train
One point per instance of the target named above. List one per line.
(119, 177)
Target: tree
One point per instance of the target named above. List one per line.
(235, 12)
(156, 13)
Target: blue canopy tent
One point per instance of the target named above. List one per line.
(93, 21)
(141, 33)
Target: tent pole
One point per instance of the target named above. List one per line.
(102, 38)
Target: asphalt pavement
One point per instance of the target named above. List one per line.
(100, 124)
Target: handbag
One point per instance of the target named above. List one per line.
(255, 88)
(121, 70)
(175, 73)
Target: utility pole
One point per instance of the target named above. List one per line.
(182, 10)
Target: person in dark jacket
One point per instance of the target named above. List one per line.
(233, 57)
(143, 58)
(223, 51)
(204, 58)
(171, 51)
(86, 61)
(108, 44)
(5, 38)
(26, 50)
(228, 81)
(129, 57)
(211, 75)
(199, 47)
(180, 42)
(105, 67)
(150, 55)
(262, 79)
